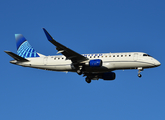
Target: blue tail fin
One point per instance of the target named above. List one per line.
(24, 49)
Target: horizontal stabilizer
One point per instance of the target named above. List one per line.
(16, 57)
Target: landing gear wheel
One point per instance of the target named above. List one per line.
(140, 69)
(139, 75)
(88, 80)
(79, 72)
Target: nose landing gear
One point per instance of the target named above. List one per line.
(139, 75)
(140, 69)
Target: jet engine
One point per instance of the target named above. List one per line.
(104, 76)
(95, 63)
(108, 76)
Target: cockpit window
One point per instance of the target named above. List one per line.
(146, 55)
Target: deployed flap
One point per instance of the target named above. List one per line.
(16, 57)
(68, 53)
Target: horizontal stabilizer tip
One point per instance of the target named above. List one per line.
(49, 37)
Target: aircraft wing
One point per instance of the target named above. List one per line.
(68, 53)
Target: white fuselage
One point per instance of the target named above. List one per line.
(111, 61)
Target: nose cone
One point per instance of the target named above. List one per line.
(157, 63)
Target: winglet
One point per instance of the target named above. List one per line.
(49, 37)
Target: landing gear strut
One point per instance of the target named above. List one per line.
(88, 80)
(140, 69)
(80, 70)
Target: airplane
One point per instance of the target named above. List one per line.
(93, 66)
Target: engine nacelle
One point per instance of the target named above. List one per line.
(95, 63)
(108, 76)
(104, 76)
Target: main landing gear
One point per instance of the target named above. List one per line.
(80, 70)
(88, 80)
(140, 69)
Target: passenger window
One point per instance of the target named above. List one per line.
(125, 55)
(130, 55)
(117, 55)
(121, 55)
(113, 55)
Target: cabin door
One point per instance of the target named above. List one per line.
(135, 56)
(45, 60)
